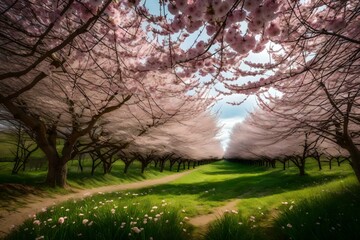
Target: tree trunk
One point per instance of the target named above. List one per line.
(143, 166)
(302, 170)
(107, 167)
(330, 161)
(162, 165)
(179, 164)
(355, 159)
(127, 165)
(194, 164)
(172, 162)
(16, 166)
(80, 165)
(92, 167)
(338, 161)
(319, 164)
(57, 172)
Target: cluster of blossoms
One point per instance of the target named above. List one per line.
(258, 14)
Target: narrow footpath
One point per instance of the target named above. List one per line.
(202, 222)
(11, 219)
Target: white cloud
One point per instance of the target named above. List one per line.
(227, 125)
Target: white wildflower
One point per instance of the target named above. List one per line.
(37, 222)
(136, 229)
(61, 220)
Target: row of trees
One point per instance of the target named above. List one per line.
(190, 142)
(177, 128)
(67, 65)
(315, 67)
(264, 138)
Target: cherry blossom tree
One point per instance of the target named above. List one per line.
(264, 136)
(95, 56)
(315, 65)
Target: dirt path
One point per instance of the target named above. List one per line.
(202, 221)
(10, 219)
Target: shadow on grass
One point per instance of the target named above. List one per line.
(228, 168)
(259, 184)
(14, 188)
(331, 216)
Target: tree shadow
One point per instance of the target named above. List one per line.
(331, 216)
(229, 168)
(257, 185)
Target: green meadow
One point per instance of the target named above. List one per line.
(273, 204)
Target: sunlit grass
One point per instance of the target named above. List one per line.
(31, 182)
(332, 215)
(107, 216)
(266, 196)
(272, 213)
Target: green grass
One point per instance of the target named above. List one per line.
(14, 187)
(333, 215)
(115, 216)
(266, 197)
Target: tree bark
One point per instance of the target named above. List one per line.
(127, 165)
(143, 166)
(302, 170)
(319, 162)
(179, 164)
(80, 165)
(57, 172)
(355, 159)
(172, 162)
(162, 165)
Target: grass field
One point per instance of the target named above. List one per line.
(274, 204)
(13, 187)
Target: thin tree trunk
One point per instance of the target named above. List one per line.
(355, 159)
(162, 165)
(127, 165)
(80, 165)
(319, 164)
(179, 164)
(143, 166)
(302, 170)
